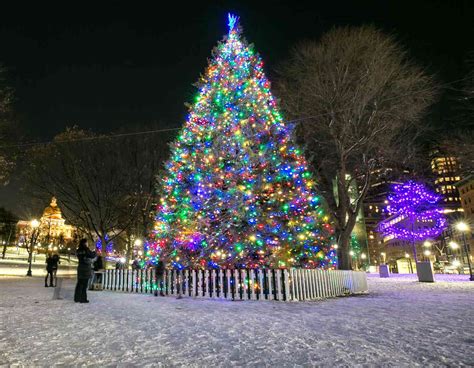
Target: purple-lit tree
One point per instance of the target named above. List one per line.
(415, 214)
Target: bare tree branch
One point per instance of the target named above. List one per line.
(360, 96)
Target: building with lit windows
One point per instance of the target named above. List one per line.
(445, 169)
(55, 234)
(466, 192)
(374, 205)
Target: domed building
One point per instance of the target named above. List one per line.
(52, 226)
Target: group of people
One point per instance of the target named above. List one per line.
(52, 264)
(89, 261)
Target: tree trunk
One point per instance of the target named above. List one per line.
(103, 246)
(4, 250)
(7, 243)
(343, 246)
(29, 249)
(129, 250)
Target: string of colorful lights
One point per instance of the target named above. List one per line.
(414, 212)
(237, 192)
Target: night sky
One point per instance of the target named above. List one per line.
(106, 65)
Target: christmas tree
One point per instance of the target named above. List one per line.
(414, 213)
(237, 192)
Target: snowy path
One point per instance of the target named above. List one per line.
(402, 323)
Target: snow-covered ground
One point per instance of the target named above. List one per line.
(10, 267)
(401, 323)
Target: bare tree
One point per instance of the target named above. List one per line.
(460, 141)
(8, 223)
(6, 99)
(361, 103)
(103, 183)
(460, 144)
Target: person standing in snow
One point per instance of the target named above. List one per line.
(49, 270)
(84, 271)
(98, 266)
(56, 263)
(159, 275)
(135, 264)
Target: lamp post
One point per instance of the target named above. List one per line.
(462, 227)
(34, 235)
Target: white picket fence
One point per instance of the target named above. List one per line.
(243, 284)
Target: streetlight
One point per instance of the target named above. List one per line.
(34, 236)
(453, 245)
(427, 244)
(463, 228)
(138, 242)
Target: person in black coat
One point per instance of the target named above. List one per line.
(159, 275)
(98, 266)
(56, 262)
(49, 270)
(84, 271)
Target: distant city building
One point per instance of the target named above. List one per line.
(374, 205)
(54, 232)
(466, 191)
(446, 171)
(445, 168)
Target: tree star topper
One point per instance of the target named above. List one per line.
(233, 21)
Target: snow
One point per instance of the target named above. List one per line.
(16, 264)
(401, 323)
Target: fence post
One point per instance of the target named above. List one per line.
(221, 282)
(252, 284)
(115, 279)
(243, 284)
(296, 284)
(268, 275)
(199, 283)
(309, 284)
(278, 284)
(329, 280)
(261, 286)
(228, 292)
(193, 283)
(185, 282)
(234, 287)
(104, 280)
(213, 287)
(205, 284)
(341, 283)
(320, 284)
(315, 283)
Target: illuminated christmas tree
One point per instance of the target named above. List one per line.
(237, 192)
(415, 214)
